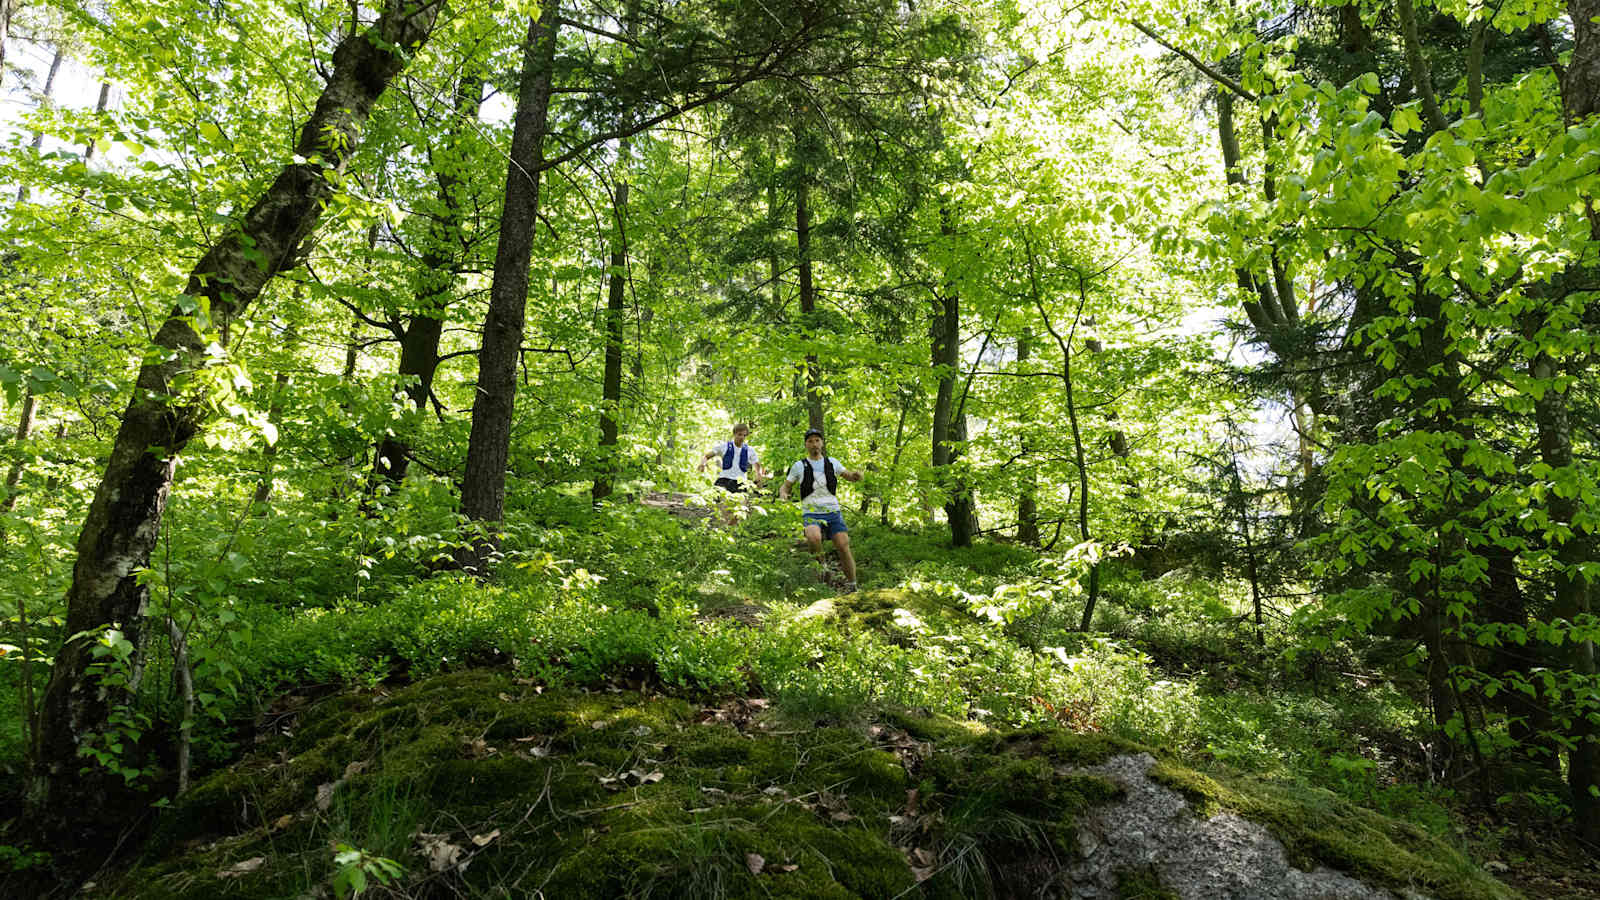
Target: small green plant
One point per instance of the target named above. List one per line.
(356, 868)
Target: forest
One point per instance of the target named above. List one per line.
(1158, 446)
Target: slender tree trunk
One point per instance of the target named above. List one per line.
(872, 455)
(1580, 97)
(44, 99)
(611, 382)
(483, 486)
(949, 425)
(8, 9)
(1249, 545)
(125, 515)
(907, 396)
(616, 307)
(1065, 345)
(808, 298)
(1027, 479)
(435, 280)
(1572, 595)
(774, 266)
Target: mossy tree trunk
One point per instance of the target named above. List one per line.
(949, 423)
(167, 410)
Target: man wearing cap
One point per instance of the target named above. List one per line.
(738, 457)
(818, 476)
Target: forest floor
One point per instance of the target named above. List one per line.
(662, 705)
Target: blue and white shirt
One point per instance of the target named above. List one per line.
(733, 471)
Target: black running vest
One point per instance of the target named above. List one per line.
(808, 482)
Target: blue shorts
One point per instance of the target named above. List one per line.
(831, 523)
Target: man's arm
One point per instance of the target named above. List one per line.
(850, 475)
(783, 489)
(704, 459)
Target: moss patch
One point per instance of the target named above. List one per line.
(883, 611)
(577, 793)
(1319, 828)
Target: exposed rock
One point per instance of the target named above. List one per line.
(1223, 857)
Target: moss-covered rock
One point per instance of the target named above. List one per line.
(614, 794)
(1317, 827)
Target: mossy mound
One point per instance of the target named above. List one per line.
(1317, 827)
(613, 794)
(478, 784)
(898, 613)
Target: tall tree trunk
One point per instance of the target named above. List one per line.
(436, 279)
(1065, 345)
(44, 99)
(808, 298)
(124, 518)
(1027, 479)
(616, 306)
(611, 382)
(1580, 98)
(1573, 597)
(774, 267)
(8, 10)
(907, 397)
(948, 424)
(483, 486)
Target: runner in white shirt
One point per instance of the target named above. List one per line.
(818, 476)
(738, 457)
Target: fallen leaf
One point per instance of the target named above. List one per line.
(599, 725)
(772, 791)
(755, 862)
(538, 752)
(282, 822)
(924, 857)
(507, 697)
(524, 740)
(651, 778)
(841, 817)
(482, 840)
(437, 849)
(243, 867)
(325, 794)
(911, 802)
(355, 768)
(786, 867)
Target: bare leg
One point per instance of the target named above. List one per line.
(814, 538)
(847, 560)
